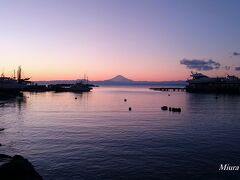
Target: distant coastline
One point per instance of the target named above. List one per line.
(116, 81)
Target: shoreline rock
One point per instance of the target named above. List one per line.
(17, 168)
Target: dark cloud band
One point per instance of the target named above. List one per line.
(200, 65)
(236, 54)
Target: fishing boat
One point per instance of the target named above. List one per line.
(12, 85)
(9, 85)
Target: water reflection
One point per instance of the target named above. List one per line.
(18, 102)
(95, 134)
(197, 103)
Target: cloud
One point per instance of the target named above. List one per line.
(236, 53)
(237, 68)
(200, 65)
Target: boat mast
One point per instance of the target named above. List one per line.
(19, 72)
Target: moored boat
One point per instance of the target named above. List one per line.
(78, 87)
(202, 83)
(11, 85)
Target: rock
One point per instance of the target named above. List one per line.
(4, 159)
(176, 110)
(18, 168)
(125, 100)
(1, 129)
(130, 109)
(3, 156)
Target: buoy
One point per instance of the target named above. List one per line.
(130, 109)
(125, 100)
(75, 97)
(164, 108)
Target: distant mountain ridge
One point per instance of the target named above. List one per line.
(117, 80)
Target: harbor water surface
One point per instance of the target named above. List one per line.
(95, 136)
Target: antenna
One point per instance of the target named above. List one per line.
(2, 75)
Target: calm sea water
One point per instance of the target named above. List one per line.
(96, 137)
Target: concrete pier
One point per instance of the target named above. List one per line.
(168, 89)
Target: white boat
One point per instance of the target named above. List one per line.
(202, 83)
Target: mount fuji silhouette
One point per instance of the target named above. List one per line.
(120, 78)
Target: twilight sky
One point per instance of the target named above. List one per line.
(140, 39)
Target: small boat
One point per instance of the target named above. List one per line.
(78, 87)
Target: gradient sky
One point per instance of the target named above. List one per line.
(140, 39)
